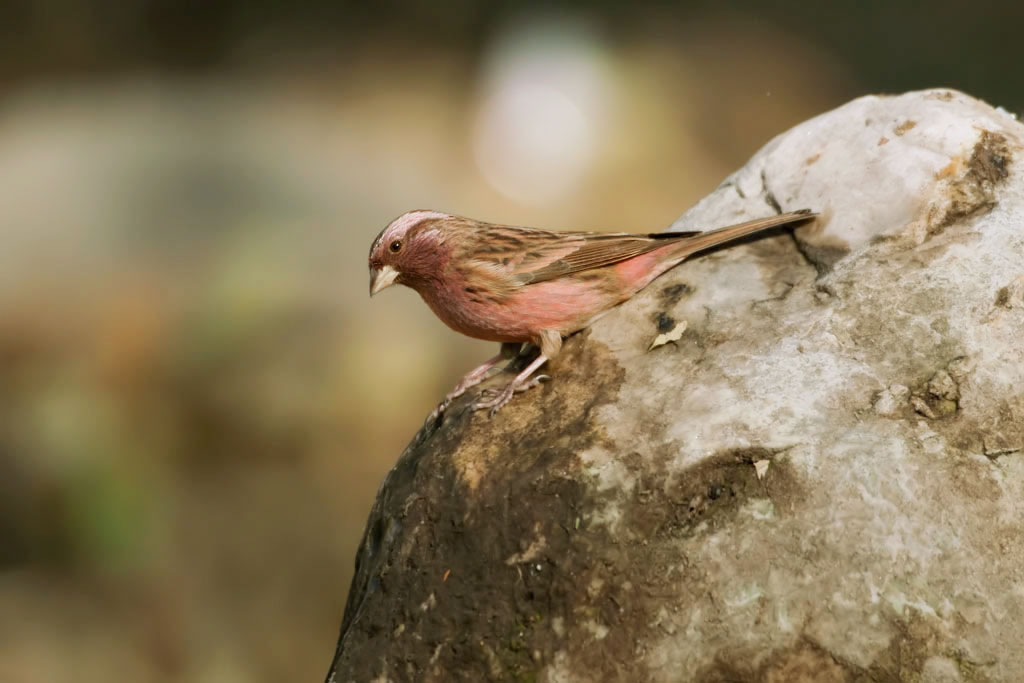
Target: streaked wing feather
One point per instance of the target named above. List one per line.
(596, 250)
(511, 257)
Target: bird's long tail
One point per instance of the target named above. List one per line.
(711, 238)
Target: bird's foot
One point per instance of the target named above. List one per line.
(459, 390)
(471, 379)
(437, 412)
(495, 399)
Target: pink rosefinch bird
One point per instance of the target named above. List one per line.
(514, 285)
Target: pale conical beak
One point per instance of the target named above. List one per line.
(382, 278)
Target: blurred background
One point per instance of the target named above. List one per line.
(197, 399)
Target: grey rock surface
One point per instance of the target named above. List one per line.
(821, 480)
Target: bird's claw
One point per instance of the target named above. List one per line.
(495, 399)
(499, 399)
(491, 393)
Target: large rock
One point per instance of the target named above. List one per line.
(822, 480)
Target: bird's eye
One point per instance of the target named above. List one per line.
(396, 246)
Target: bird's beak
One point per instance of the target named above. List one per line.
(382, 278)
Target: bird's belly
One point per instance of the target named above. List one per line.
(564, 305)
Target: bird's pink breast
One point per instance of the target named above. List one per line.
(563, 305)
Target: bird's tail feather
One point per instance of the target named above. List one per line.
(711, 238)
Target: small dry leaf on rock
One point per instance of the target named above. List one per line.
(673, 335)
(761, 468)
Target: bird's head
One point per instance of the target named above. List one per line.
(408, 250)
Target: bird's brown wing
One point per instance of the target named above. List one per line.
(596, 250)
(514, 257)
(511, 257)
(589, 250)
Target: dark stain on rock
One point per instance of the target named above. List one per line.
(673, 293)
(822, 257)
(664, 322)
(479, 542)
(1003, 297)
(712, 492)
(769, 196)
(974, 193)
(750, 455)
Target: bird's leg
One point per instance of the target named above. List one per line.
(550, 343)
(478, 374)
(474, 377)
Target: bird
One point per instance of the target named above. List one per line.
(520, 285)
